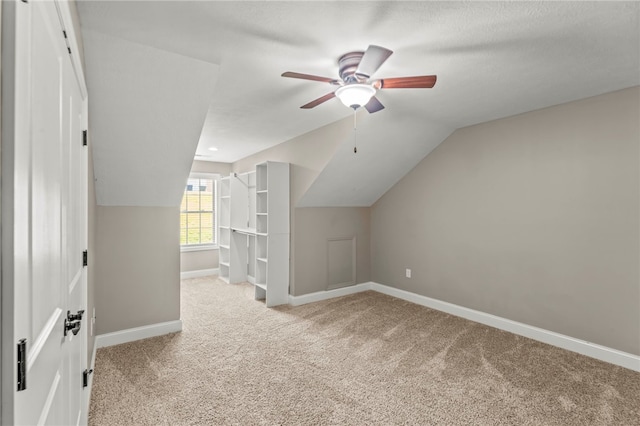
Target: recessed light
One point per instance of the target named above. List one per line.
(213, 148)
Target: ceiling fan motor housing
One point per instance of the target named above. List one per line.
(348, 64)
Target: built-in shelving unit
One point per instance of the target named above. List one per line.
(254, 230)
(272, 233)
(243, 227)
(224, 226)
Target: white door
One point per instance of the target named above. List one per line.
(48, 168)
(74, 238)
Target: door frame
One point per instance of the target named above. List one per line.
(8, 32)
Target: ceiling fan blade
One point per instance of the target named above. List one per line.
(418, 82)
(373, 105)
(372, 59)
(318, 101)
(307, 77)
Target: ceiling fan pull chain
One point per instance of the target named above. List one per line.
(355, 150)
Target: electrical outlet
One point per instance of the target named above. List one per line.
(408, 273)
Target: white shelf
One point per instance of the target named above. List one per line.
(262, 177)
(223, 247)
(224, 264)
(262, 259)
(262, 286)
(262, 191)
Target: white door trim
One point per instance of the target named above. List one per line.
(64, 13)
(8, 128)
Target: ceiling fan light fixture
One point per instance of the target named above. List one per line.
(355, 95)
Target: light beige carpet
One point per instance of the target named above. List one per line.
(363, 359)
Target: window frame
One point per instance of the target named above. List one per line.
(206, 246)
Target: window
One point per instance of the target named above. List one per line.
(197, 212)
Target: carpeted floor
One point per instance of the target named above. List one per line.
(363, 359)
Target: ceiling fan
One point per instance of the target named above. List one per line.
(356, 87)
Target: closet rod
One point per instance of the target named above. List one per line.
(249, 232)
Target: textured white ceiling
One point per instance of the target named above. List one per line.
(493, 59)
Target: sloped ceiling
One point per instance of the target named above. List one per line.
(147, 108)
(351, 179)
(493, 59)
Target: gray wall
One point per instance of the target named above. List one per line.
(137, 268)
(308, 154)
(199, 260)
(314, 226)
(203, 259)
(534, 218)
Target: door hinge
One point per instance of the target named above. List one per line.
(85, 377)
(84, 138)
(22, 364)
(85, 258)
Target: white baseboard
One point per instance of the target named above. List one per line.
(329, 294)
(137, 333)
(200, 273)
(583, 347)
(251, 279)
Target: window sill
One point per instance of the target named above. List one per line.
(201, 247)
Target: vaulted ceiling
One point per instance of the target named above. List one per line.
(207, 74)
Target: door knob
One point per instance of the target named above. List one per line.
(73, 322)
(76, 316)
(73, 326)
